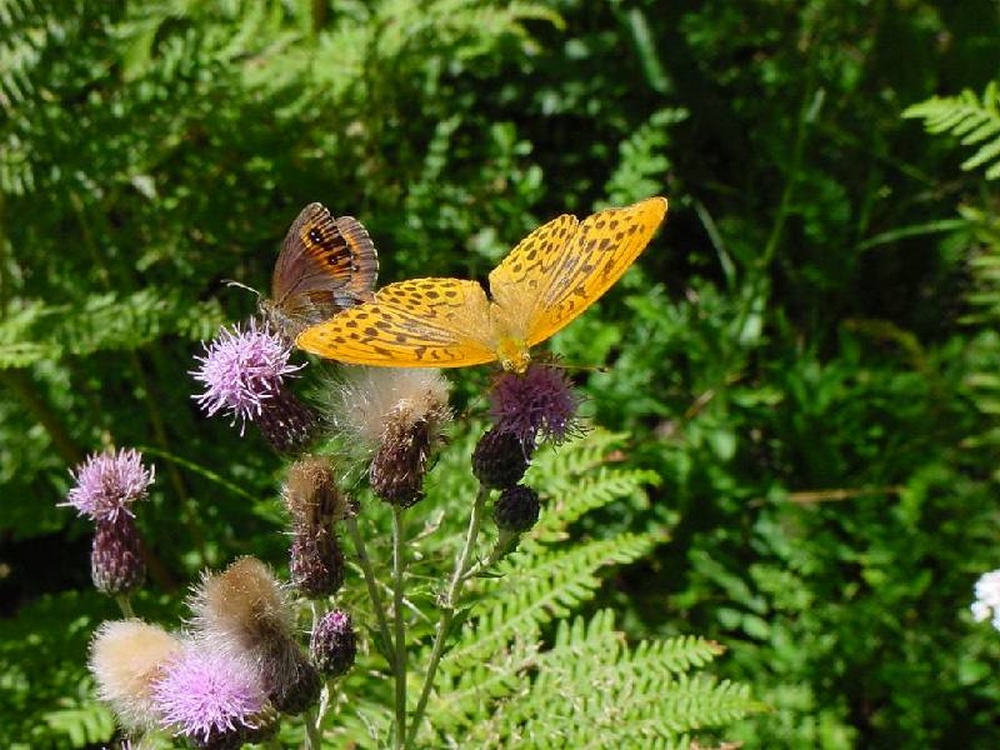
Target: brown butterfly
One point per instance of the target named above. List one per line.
(326, 264)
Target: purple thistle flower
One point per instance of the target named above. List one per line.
(538, 403)
(107, 483)
(241, 370)
(206, 693)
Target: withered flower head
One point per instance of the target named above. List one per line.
(244, 612)
(400, 413)
(315, 504)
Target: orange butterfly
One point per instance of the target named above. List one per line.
(550, 278)
(326, 264)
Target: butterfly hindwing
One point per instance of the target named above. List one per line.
(415, 323)
(364, 260)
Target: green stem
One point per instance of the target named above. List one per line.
(313, 739)
(754, 299)
(399, 665)
(505, 543)
(365, 564)
(462, 566)
(125, 605)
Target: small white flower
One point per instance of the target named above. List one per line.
(987, 598)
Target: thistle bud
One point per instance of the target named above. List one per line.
(301, 687)
(516, 509)
(334, 643)
(116, 562)
(317, 563)
(398, 467)
(499, 459)
(106, 485)
(287, 424)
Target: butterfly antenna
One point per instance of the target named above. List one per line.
(558, 363)
(232, 282)
(603, 369)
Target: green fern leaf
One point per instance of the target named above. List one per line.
(102, 322)
(591, 689)
(974, 120)
(535, 590)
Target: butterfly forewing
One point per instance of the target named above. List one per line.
(518, 284)
(325, 265)
(601, 249)
(416, 323)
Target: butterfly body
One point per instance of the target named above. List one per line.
(326, 265)
(546, 281)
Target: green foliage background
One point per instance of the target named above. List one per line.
(806, 356)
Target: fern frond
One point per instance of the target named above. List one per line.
(584, 478)
(103, 322)
(592, 690)
(536, 590)
(974, 120)
(83, 726)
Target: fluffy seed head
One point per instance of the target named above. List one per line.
(245, 613)
(127, 658)
(398, 412)
(244, 606)
(365, 398)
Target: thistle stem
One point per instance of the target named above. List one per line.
(447, 605)
(313, 739)
(399, 665)
(125, 605)
(506, 542)
(365, 564)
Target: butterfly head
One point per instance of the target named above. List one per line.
(513, 354)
